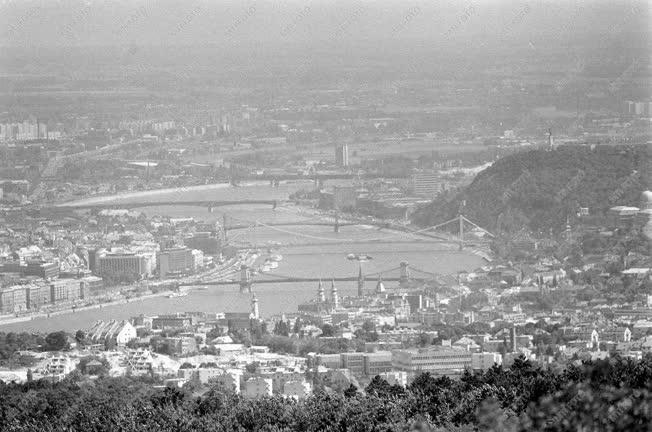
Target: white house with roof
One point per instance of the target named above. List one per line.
(120, 332)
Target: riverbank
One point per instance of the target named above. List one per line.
(308, 251)
(125, 196)
(72, 310)
(219, 273)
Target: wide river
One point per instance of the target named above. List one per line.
(308, 250)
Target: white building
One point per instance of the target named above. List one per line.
(377, 363)
(258, 387)
(57, 367)
(330, 361)
(120, 332)
(484, 361)
(297, 389)
(434, 360)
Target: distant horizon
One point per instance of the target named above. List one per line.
(167, 23)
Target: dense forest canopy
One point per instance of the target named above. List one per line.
(609, 395)
(539, 189)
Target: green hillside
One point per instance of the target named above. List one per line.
(539, 188)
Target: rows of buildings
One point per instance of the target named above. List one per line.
(63, 261)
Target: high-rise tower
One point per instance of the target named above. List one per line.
(360, 283)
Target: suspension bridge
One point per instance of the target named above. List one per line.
(209, 204)
(395, 233)
(406, 274)
(434, 233)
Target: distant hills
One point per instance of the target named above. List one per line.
(538, 189)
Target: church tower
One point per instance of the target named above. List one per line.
(321, 295)
(334, 295)
(380, 287)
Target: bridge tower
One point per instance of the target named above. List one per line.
(461, 242)
(405, 273)
(360, 283)
(245, 279)
(460, 218)
(254, 307)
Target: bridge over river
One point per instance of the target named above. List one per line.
(247, 278)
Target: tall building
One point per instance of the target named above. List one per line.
(426, 184)
(353, 361)
(174, 260)
(360, 283)
(122, 264)
(13, 299)
(342, 155)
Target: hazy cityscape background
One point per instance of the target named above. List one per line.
(325, 215)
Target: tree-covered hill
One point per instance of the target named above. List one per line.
(539, 188)
(611, 395)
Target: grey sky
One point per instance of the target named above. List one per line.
(171, 22)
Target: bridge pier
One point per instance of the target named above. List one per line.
(245, 279)
(461, 243)
(405, 273)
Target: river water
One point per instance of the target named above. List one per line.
(308, 251)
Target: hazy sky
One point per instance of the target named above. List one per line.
(166, 22)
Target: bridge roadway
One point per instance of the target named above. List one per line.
(296, 280)
(298, 223)
(129, 205)
(335, 242)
